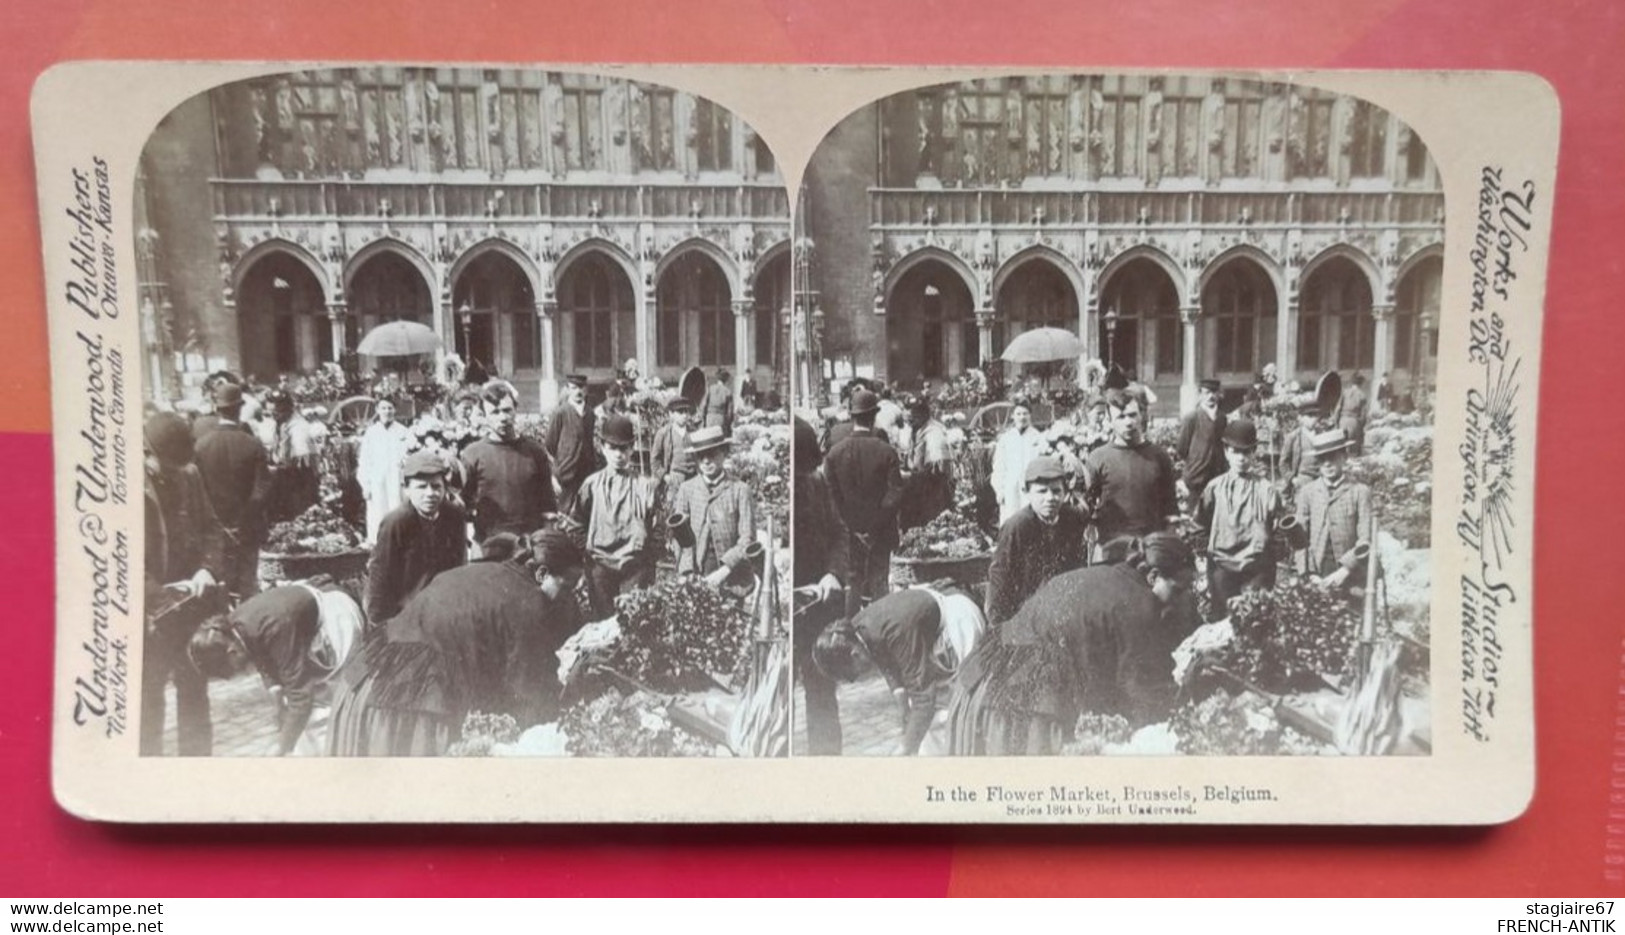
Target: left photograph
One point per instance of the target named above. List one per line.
(465, 420)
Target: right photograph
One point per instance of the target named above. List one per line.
(1114, 422)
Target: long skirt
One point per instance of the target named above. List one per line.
(391, 702)
(984, 716)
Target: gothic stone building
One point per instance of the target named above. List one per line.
(1184, 227)
(541, 223)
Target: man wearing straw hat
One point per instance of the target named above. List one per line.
(713, 518)
(1335, 514)
(1236, 517)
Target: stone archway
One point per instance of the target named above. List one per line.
(281, 317)
(931, 329)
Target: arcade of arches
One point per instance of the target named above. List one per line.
(934, 331)
(286, 323)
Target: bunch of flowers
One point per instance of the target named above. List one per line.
(966, 393)
(531, 425)
(1164, 433)
(1397, 464)
(324, 385)
(483, 731)
(950, 535)
(760, 456)
(446, 438)
(680, 634)
(1291, 635)
(317, 531)
(636, 724)
(1238, 725)
(1095, 732)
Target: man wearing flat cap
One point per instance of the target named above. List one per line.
(716, 512)
(570, 439)
(183, 556)
(1334, 513)
(617, 507)
(866, 484)
(236, 473)
(508, 484)
(672, 460)
(417, 540)
(1235, 520)
(1042, 539)
(1199, 445)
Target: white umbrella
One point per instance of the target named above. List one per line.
(399, 339)
(1042, 345)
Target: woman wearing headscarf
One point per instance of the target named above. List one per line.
(1096, 640)
(480, 638)
(378, 465)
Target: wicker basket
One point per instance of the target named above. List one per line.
(966, 572)
(276, 566)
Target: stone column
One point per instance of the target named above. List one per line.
(547, 318)
(1382, 352)
(984, 335)
(336, 315)
(1189, 316)
(643, 315)
(1286, 342)
(743, 309)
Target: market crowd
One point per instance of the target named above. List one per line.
(487, 547)
(1070, 560)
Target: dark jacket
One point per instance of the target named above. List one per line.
(182, 535)
(820, 546)
(866, 485)
(237, 476)
(411, 550)
(1200, 446)
(508, 487)
(569, 441)
(1029, 553)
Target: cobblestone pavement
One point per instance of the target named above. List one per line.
(244, 721)
(870, 722)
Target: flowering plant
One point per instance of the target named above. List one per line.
(446, 438)
(318, 531)
(636, 724)
(679, 634)
(1290, 635)
(950, 535)
(1238, 725)
(1397, 465)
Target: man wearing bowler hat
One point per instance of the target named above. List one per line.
(866, 484)
(714, 517)
(1335, 515)
(1199, 445)
(617, 507)
(569, 438)
(1235, 519)
(236, 473)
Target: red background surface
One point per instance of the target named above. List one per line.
(1559, 848)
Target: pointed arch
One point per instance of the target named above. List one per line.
(1416, 259)
(389, 245)
(1353, 254)
(1271, 267)
(275, 245)
(1040, 253)
(950, 259)
(1156, 255)
(737, 287)
(591, 245)
(505, 248)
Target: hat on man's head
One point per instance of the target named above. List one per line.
(1212, 386)
(920, 406)
(1043, 469)
(1241, 434)
(863, 401)
(227, 395)
(1116, 379)
(805, 444)
(706, 439)
(422, 464)
(680, 404)
(723, 374)
(1331, 442)
(576, 379)
(618, 431)
(169, 437)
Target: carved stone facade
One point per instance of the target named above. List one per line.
(1183, 227)
(532, 219)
